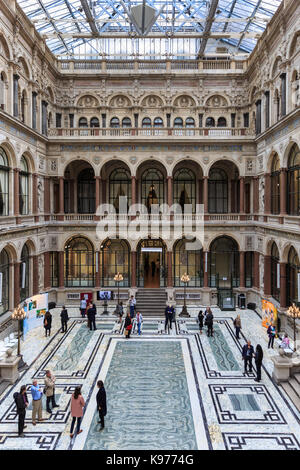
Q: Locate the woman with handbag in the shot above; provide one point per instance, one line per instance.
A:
(128, 326)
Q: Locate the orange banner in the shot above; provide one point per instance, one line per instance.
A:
(269, 313)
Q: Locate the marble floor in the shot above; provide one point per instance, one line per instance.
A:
(177, 390)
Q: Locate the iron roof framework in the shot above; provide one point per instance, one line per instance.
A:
(184, 28)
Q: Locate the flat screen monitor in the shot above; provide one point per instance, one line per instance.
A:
(105, 294)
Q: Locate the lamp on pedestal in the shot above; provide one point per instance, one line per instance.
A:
(185, 279)
(18, 315)
(118, 278)
(294, 312)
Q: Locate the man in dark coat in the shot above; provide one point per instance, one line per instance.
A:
(64, 319)
(101, 402)
(169, 317)
(247, 354)
(21, 401)
(91, 314)
(209, 321)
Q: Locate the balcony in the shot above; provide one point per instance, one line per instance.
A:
(149, 133)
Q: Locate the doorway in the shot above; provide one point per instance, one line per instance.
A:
(150, 264)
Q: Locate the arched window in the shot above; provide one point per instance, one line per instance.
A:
(2, 91)
(79, 263)
(221, 122)
(114, 123)
(146, 122)
(190, 122)
(119, 185)
(4, 270)
(178, 122)
(217, 191)
(86, 191)
(4, 181)
(126, 122)
(115, 258)
(224, 263)
(293, 271)
(294, 181)
(24, 273)
(187, 261)
(23, 106)
(158, 122)
(24, 187)
(210, 122)
(184, 188)
(83, 122)
(275, 185)
(152, 188)
(94, 122)
(275, 273)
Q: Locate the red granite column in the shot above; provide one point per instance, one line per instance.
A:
(46, 197)
(267, 275)
(16, 194)
(133, 269)
(205, 194)
(170, 277)
(205, 268)
(267, 193)
(283, 188)
(35, 275)
(61, 280)
(16, 284)
(103, 181)
(242, 195)
(97, 197)
(283, 296)
(61, 198)
(47, 269)
(242, 269)
(256, 281)
(97, 272)
(169, 191)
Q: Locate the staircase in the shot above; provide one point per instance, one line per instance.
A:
(292, 388)
(151, 302)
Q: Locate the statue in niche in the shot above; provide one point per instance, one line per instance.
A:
(261, 271)
(261, 194)
(40, 195)
(41, 272)
(152, 198)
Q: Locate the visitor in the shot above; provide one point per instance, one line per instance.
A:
(285, 343)
(139, 321)
(209, 321)
(128, 325)
(132, 304)
(47, 323)
(21, 401)
(91, 313)
(77, 405)
(50, 391)
(120, 311)
(101, 402)
(168, 316)
(247, 355)
(238, 326)
(64, 319)
(37, 407)
(83, 307)
(271, 332)
(258, 362)
(200, 321)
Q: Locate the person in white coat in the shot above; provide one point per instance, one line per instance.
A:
(139, 321)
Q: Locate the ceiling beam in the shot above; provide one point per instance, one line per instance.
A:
(229, 16)
(156, 35)
(207, 27)
(58, 34)
(249, 22)
(89, 16)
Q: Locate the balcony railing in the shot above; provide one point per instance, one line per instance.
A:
(148, 132)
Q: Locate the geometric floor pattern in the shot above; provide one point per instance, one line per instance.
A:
(164, 391)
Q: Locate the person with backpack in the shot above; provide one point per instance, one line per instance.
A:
(77, 405)
(22, 403)
(64, 319)
(47, 323)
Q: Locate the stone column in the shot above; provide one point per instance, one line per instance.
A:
(97, 273)
(255, 188)
(47, 270)
(103, 181)
(283, 269)
(46, 197)
(16, 192)
(133, 269)
(34, 195)
(16, 284)
(35, 276)
(242, 269)
(205, 271)
(256, 281)
(242, 195)
(169, 191)
(97, 191)
(133, 190)
(267, 193)
(267, 275)
(170, 277)
(283, 188)
(61, 197)
(205, 194)
(61, 280)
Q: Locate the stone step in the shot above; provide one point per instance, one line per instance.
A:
(290, 392)
(297, 377)
(295, 385)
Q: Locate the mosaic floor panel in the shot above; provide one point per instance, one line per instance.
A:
(177, 390)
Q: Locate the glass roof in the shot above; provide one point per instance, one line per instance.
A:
(185, 29)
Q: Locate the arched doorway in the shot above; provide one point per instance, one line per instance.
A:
(152, 188)
(115, 259)
(293, 272)
(151, 268)
(187, 261)
(275, 273)
(224, 263)
(184, 188)
(79, 263)
(79, 188)
(4, 271)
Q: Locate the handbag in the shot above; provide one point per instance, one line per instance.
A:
(129, 327)
(126, 332)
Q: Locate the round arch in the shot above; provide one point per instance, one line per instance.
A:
(79, 262)
(224, 262)
(115, 257)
